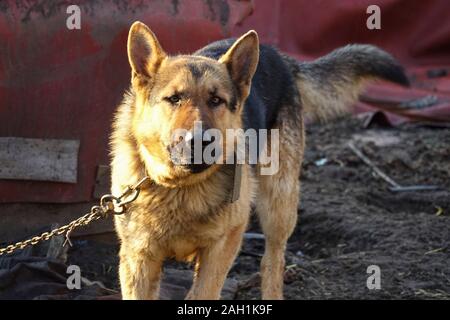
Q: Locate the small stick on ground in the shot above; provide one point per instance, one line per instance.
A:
(253, 236)
(395, 187)
(377, 170)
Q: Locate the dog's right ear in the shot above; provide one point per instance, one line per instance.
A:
(241, 61)
(144, 51)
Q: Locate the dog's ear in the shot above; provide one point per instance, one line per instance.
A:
(241, 61)
(144, 51)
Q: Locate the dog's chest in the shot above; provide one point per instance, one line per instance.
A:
(179, 222)
(180, 217)
(186, 211)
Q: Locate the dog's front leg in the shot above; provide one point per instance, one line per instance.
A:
(213, 264)
(139, 275)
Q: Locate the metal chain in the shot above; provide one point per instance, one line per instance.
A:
(109, 204)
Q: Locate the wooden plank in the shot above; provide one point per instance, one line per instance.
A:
(39, 159)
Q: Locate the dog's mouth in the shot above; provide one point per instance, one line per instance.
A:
(196, 168)
(184, 156)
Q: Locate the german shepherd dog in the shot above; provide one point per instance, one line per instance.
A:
(185, 211)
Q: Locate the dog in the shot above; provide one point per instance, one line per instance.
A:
(185, 211)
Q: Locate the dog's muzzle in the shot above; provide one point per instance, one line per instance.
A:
(188, 151)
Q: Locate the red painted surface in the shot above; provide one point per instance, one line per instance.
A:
(65, 84)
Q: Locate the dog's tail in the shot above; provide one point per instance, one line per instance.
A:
(331, 84)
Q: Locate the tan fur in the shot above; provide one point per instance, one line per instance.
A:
(324, 105)
(189, 216)
(330, 85)
(277, 202)
(178, 215)
(162, 224)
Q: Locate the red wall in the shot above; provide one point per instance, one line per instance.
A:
(65, 84)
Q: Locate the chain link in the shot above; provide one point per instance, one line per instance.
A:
(109, 204)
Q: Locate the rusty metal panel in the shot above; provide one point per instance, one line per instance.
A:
(39, 159)
(102, 181)
(66, 84)
(57, 83)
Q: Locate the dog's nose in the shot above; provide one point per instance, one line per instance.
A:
(198, 138)
(195, 135)
(188, 150)
(198, 141)
(193, 138)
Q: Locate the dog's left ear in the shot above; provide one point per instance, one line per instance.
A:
(144, 51)
(241, 61)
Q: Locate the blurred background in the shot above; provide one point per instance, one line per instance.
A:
(59, 89)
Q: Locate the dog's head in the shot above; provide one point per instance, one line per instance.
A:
(176, 94)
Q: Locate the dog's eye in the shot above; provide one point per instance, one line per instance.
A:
(174, 99)
(215, 101)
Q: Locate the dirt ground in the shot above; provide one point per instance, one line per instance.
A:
(349, 220)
